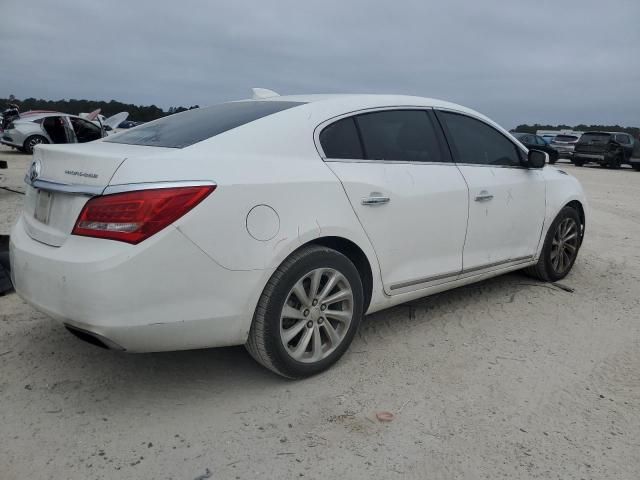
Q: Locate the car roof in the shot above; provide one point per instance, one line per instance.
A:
(336, 104)
(365, 100)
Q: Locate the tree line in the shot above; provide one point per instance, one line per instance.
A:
(139, 113)
(633, 131)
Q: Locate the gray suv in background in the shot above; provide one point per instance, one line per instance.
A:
(564, 144)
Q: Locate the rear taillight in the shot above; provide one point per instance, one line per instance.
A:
(135, 216)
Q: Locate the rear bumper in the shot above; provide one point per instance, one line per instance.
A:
(589, 157)
(163, 294)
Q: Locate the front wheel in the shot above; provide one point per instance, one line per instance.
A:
(578, 163)
(308, 313)
(560, 247)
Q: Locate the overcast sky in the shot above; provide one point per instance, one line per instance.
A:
(516, 61)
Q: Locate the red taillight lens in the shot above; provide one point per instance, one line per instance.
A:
(134, 216)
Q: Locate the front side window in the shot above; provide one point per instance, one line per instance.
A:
(85, 131)
(539, 141)
(475, 142)
(183, 129)
(404, 135)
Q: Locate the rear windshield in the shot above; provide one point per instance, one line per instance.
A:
(595, 137)
(565, 138)
(183, 129)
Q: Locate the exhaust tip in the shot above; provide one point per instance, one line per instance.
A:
(93, 338)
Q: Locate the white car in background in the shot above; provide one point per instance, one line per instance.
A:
(37, 128)
(279, 222)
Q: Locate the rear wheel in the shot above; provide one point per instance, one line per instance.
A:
(308, 313)
(560, 248)
(578, 163)
(553, 158)
(615, 162)
(636, 167)
(32, 141)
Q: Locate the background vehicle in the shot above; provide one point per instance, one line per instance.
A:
(635, 156)
(609, 149)
(531, 140)
(288, 219)
(565, 144)
(30, 130)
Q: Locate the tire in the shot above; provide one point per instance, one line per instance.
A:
(578, 163)
(548, 268)
(32, 141)
(636, 167)
(615, 163)
(306, 320)
(553, 159)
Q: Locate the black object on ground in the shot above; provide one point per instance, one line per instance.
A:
(5, 279)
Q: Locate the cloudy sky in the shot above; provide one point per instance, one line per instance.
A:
(562, 61)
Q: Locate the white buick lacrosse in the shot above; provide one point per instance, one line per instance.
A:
(278, 222)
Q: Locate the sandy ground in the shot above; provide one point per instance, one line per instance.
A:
(509, 378)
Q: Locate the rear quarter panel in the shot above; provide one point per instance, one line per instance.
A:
(271, 161)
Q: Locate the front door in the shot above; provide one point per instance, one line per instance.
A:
(410, 198)
(506, 200)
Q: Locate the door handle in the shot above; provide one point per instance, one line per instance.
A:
(484, 196)
(375, 199)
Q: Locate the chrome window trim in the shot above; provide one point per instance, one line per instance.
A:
(321, 126)
(406, 162)
(464, 273)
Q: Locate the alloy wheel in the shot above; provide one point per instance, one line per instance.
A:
(35, 141)
(316, 315)
(564, 246)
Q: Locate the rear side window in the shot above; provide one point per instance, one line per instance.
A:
(183, 129)
(475, 142)
(340, 140)
(566, 138)
(620, 138)
(405, 135)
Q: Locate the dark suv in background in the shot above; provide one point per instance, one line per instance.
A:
(609, 149)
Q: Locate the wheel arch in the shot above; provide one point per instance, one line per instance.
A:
(356, 255)
(577, 205)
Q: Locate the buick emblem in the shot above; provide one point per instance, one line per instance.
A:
(34, 170)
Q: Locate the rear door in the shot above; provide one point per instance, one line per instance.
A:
(410, 198)
(506, 200)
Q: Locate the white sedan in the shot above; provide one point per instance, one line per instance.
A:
(279, 222)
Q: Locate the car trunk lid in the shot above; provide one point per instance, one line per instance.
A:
(60, 180)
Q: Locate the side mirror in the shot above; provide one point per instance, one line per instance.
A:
(537, 159)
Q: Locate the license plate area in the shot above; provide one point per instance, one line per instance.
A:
(42, 211)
